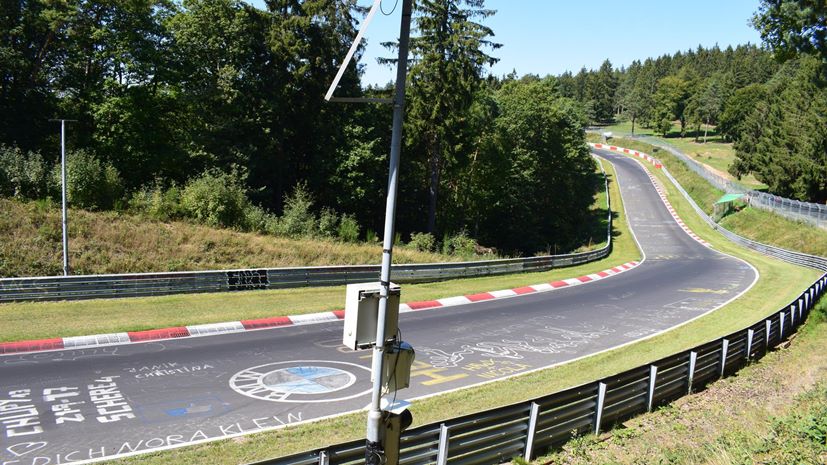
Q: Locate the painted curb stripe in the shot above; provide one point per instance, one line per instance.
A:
(479, 297)
(280, 321)
(31, 346)
(267, 322)
(424, 304)
(156, 334)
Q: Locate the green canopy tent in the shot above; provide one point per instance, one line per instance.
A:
(725, 204)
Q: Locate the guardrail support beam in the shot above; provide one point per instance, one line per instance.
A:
(693, 360)
(724, 350)
(601, 399)
(442, 452)
(532, 430)
(653, 378)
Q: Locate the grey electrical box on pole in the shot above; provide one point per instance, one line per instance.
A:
(362, 312)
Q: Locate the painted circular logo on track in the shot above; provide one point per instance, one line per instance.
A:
(301, 381)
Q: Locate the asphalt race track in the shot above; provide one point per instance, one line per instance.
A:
(76, 405)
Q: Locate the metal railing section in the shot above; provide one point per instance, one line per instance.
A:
(154, 284)
(531, 428)
(813, 213)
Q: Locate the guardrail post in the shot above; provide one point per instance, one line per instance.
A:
(601, 398)
(807, 301)
(800, 310)
(532, 429)
(693, 359)
(750, 335)
(767, 337)
(324, 459)
(724, 350)
(442, 454)
(792, 317)
(653, 378)
(781, 316)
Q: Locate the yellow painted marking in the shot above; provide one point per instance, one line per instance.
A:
(699, 290)
(425, 369)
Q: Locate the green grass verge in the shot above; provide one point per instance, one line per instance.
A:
(37, 320)
(773, 412)
(715, 153)
(780, 283)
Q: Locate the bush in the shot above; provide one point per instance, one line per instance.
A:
(159, 203)
(460, 244)
(423, 242)
(298, 219)
(90, 182)
(216, 198)
(328, 222)
(23, 175)
(257, 219)
(348, 229)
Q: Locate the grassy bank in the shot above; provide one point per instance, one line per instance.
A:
(780, 283)
(773, 412)
(32, 320)
(112, 242)
(716, 153)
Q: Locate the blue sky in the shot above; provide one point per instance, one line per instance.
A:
(552, 36)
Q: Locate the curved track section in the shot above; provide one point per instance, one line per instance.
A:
(81, 405)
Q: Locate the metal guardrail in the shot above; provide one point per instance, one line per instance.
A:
(528, 429)
(154, 284)
(790, 256)
(813, 213)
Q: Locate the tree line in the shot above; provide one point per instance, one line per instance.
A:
(771, 102)
(212, 111)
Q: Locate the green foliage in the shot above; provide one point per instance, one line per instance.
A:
(423, 242)
(538, 172)
(784, 140)
(460, 244)
(90, 183)
(448, 62)
(22, 175)
(159, 203)
(348, 229)
(791, 27)
(328, 222)
(216, 198)
(298, 219)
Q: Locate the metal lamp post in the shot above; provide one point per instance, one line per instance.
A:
(63, 193)
(374, 454)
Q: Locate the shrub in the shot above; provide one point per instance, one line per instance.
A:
(23, 175)
(328, 222)
(423, 242)
(90, 182)
(159, 203)
(216, 198)
(348, 229)
(259, 220)
(298, 219)
(460, 244)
